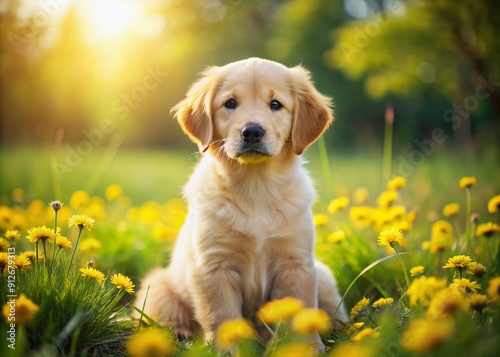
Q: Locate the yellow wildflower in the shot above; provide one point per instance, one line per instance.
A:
(494, 204)
(364, 333)
(451, 209)
(81, 221)
(477, 302)
(360, 305)
(295, 350)
(279, 309)
(150, 342)
(231, 332)
(310, 320)
(4, 245)
(423, 288)
(320, 220)
(123, 282)
(31, 255)
(89, 245)
(338, 204)
(361, 214)
(465, 286)
(12, 234)
(79, 199)
(487, 229)
(360, 195)
(424, 335)
(4, 261)
(441, 229)
(336, 237)
(113, 192)
(354, 328)
(388, 237)
(417, 270)
(63, 242)
(22, 262)
(477, 269)
(22, 312)
(387, 198)
(467, 182)
(382, 302)
(494, 289)
(92, 273)
(41, 234)
(459, 262)
(396, 183)
(446, 302)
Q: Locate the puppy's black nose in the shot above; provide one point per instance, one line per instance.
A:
(252, 133)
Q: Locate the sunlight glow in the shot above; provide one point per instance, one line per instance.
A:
(106, 19)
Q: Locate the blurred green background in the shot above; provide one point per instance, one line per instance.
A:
(83, 82)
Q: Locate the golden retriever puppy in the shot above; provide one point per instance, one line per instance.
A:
(249, 234)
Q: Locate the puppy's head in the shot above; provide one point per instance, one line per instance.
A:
(253, 110)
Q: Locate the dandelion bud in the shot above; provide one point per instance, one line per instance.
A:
(56, 205)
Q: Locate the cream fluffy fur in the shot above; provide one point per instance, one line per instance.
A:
(249, 233)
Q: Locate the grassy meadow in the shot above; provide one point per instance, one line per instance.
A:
(419, 276)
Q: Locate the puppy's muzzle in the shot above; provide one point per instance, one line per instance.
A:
(252, 149)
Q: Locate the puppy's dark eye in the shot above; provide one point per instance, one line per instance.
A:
(275, 105)
(231, 104)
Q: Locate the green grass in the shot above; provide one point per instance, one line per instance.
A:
(151, 179)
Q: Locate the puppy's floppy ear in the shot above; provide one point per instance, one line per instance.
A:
(194, 113)
(312, 112)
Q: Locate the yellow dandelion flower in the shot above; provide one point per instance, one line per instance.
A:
(337, 204)
(279, 309)
(388, 237)
(441, 229)
(4, 262)
(295, 350)
(233, 331)
(487, 229)
(310, 320)
(465, 286)
(387, 198)
(360, 195)
(364, 333)
(352, 349)
(89, 245)
(4, 245)
(320, 220)
(494, 204)
(123, 282)
(423, 288)
(477, 269)
(467, 182)
(336, 237)
(417, 270)
(92, 273)
(150, 342)
(41, 234)
(31, 255)
(22, 262)
(424, 335)
(383, 302)
(354, 328)
(494, 289)
(360, 305)
(81, 221)
(63, 242)
(446, 302)
(22, 311)
(459, 262)
(451, 209)
(396, 183)
(113, 192)
(361, 214)
(477, 302)
(79, 199)
(12, 234)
